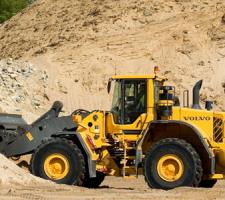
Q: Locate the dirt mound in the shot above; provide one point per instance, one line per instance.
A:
(81, 43)
(11, 174)
(47, 24)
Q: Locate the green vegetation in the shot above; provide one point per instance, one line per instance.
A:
(8, 8)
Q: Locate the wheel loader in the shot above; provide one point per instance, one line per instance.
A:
(147, 132)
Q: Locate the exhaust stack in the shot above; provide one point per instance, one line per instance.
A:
(196, 95)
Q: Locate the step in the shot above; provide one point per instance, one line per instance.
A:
(132, 157)
(130, 148)
(129, 167)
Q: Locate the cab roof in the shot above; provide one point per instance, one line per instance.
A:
(149, 76)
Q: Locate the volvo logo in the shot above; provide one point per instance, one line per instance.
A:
(197, 118)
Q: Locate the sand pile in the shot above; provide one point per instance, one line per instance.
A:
(49, 24)
(11, 174)
(81, 43)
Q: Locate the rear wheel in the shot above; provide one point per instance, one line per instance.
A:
(59, 160)
(172, 163)
(94, 182)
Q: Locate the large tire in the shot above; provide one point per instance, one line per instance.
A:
(172, 163)
(94, 182)
(207, 183)
(59, 160)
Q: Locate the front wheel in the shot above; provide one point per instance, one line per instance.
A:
(172, 163)
(59, 160)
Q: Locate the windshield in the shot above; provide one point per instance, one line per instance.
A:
(129, 100)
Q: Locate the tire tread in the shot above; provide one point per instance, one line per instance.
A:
(189, 148)
(73, 146)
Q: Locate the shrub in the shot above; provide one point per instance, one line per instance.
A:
(8, 8)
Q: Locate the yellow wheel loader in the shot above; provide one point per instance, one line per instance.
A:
(146, 132)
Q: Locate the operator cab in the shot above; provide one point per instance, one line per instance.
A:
(133, 96)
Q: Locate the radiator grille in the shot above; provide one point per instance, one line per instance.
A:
(218, 127)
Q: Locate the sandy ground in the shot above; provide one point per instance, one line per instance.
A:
(17, 183)
(111, 188)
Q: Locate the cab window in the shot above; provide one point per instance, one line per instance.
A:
(135, 100)
(129, 100)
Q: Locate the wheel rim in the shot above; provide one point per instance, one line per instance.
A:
(170, 167)
(56, 166)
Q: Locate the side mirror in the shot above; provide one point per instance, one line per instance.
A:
(109, 85)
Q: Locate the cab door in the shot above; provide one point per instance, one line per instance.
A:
(129, 108)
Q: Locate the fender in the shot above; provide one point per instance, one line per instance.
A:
(147, 131)
(91, 163)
